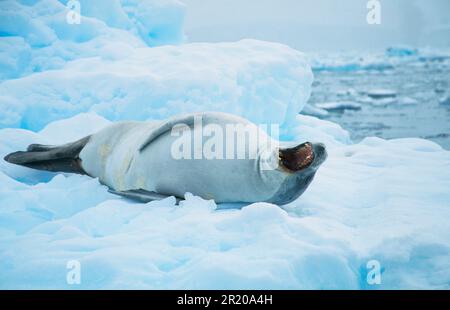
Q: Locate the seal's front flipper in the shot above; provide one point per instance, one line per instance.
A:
(63, 158)
(142, 195)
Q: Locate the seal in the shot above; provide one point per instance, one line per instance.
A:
(155, 159)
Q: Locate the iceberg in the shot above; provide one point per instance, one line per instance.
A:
(381, 93)
(445, 101)
(339, 105)
(266, 83)
(434, 55)
(401, 51)
(380, 102)
(35, 35)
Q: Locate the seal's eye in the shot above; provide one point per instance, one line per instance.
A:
(297, 158)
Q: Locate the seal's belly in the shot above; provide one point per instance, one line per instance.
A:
(224, 180)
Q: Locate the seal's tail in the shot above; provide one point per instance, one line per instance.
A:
(63, 158)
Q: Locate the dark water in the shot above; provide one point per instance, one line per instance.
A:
(415, 111)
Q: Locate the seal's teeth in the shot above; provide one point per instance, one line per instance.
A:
(305, 154)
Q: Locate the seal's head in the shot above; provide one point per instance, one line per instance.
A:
(299, 165)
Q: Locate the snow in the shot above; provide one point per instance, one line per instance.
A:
(386, 200)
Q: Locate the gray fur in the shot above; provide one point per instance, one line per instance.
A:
(134, 160)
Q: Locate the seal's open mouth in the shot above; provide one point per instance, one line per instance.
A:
(297, 158)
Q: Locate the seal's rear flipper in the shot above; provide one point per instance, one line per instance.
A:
(142, 195)
(62, 158)
(40, 148)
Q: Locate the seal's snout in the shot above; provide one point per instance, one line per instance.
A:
(303, 156)
(320, 153)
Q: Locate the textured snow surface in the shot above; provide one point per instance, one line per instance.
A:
(377, 200)
(383, 200)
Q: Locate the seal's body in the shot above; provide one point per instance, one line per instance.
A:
(142, 160)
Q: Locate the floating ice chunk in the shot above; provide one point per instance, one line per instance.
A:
(339, 105)
(432, 55)
(439, 90)
(445, 101)
(381, 93)
(401, 51)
